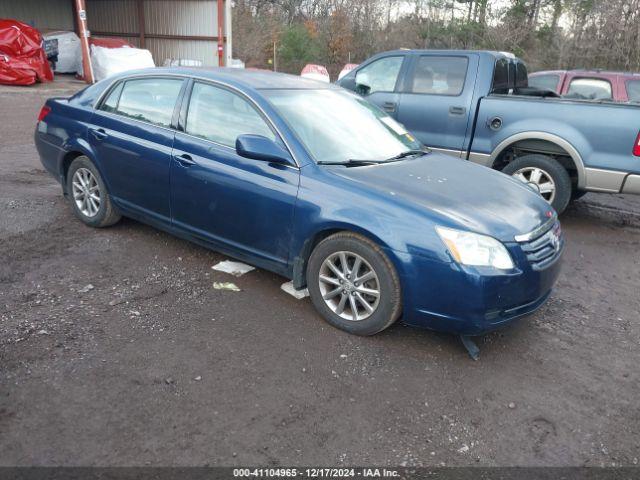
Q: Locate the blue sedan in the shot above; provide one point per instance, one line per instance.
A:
(311, 182)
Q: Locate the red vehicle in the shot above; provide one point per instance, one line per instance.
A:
(589, 84)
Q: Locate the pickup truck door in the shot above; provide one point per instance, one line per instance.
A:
(379, 81)
(435, 102)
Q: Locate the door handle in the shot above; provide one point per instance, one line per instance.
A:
(184, 160)
(389, 106)
(99, 133)
(454, 110)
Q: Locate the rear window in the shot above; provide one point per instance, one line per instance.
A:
(501, 77)
(150, 100)
(440, 75)
(521, 75)
(545, 82)
(590, 89)
(633, 90)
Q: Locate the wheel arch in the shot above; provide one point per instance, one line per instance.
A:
(539, 142)
(73, 150)
(301, 261)
(65, 163)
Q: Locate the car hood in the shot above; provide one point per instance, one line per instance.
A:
(470, 196)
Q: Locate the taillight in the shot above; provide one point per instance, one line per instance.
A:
(636, 146)
(44, 111)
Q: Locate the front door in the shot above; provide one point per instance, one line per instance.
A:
(378, 82)
(217, 195)
(436, 103)
(130, 131)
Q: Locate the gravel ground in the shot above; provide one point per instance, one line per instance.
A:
(116, 350)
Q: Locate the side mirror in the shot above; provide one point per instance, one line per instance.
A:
(258, 147)
(363, 84)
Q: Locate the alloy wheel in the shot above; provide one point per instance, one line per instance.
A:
(349, 286)
(86, 192)
(539, 181)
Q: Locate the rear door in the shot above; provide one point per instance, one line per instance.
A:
(221, 197)
(436, 100)
(131, 133)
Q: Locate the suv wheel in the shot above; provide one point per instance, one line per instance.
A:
(353, 284)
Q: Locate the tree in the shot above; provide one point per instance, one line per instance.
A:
(298, 46)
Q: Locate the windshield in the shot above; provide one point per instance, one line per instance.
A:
(337, 126)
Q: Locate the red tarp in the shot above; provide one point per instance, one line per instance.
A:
(22, 58)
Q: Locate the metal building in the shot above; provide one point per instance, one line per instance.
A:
(170, 29)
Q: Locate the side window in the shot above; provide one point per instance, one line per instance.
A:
(379, 76)
(544, 82)
(440, 75)
(633, 90)
(219, 115)
(590, 88)
(150, 100)
(522, 80)
(111, 102)
(501, 77)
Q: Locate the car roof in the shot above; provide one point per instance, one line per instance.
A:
(239, 77)
(594, 72)
(492, 53)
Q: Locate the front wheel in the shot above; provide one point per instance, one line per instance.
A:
(545, 176)
(353, 284)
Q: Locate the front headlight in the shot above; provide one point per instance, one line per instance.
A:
(470, 248)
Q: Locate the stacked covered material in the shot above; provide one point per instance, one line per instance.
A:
(22, 58)
(315, 72)
(109, 61)
(69, 51)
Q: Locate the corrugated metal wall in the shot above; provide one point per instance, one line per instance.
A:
(44, 15)
(118, 16)
(162, 18)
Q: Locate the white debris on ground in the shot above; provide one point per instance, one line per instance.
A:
(86, 288)
(226, 286)
(236, 269)
(298, 294)
(463, 449)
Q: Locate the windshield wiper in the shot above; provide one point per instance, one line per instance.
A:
(354, 162)
(408, 153)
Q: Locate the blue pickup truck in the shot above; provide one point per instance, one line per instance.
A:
(477, 105)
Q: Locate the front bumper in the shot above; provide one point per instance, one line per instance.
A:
(449, 297)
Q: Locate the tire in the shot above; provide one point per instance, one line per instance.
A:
(385, 308)
(98, 212)
(524, 167)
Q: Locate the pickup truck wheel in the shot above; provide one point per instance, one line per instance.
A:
(88, 194)
(545, 176)
(353, 284)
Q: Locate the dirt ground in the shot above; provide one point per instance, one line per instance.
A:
(116, 350)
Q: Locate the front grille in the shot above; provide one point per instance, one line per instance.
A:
(543, 250)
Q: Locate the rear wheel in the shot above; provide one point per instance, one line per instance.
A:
(545, 176)
(353, 284)
(88, 194)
